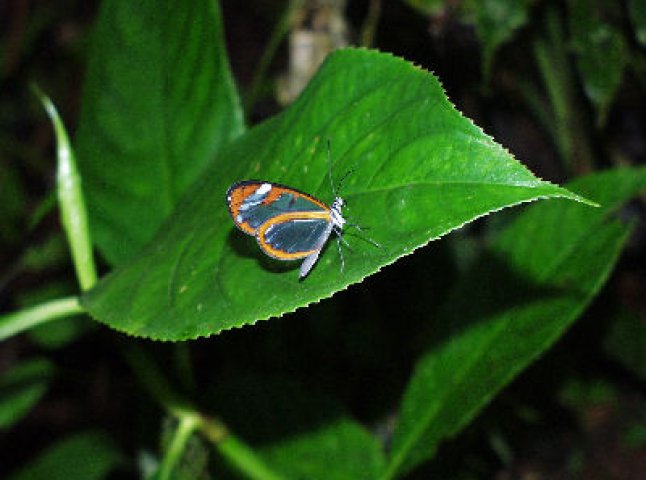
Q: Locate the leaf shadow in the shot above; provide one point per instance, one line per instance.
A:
(246, 246)
(266, 410)
(489, 289)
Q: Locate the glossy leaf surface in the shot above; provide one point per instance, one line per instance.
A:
(420, 170)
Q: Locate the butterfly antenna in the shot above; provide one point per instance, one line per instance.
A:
(343, 178)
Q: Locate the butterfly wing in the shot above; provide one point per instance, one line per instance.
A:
(294, 235)
(252, 203)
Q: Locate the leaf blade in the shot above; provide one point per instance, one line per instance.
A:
(521, 298)
(159, 103)
(422, 170)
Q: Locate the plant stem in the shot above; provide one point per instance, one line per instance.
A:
(280, 31)
(245, 459)
(187, 425)
(369, 26)
(570, 133)
(233, 450)
(17, 322)
(183, 365)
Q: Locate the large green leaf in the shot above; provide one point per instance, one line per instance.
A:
(422, 170)
(538, 277)
(159, 103)
(89, 455)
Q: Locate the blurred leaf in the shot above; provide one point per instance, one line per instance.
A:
(22, 387)
(536, 280)
(13, 200)
(580, 393)
(635, 435)
(422, 170)
(62, 332)
(626, 342)
(159, 103)
(428, 7)
(637, 11)
(495, 22)
(601, 49)
(298, 432)
(50, 253)
(84, 456)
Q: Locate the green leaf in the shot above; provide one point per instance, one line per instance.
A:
(496, 21)
(601, 49)
(626, 342)
(71, 200)
(13, 202)
(637, 12)
(159, 103)
(421, 170)
(428, 7)
(89, 455)
(21, 388)
(536, 280)
(299, 433)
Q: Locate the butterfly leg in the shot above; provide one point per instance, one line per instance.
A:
(363, 231)
(339, 239)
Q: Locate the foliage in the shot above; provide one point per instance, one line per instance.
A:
(431, 333)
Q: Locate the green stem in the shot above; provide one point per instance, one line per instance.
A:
(17, 322)
(233, 450)
(535, 101)
(187, 425)
(280, 31)
(370, 24)
(570, 133)
(184, 367)
(245, 459)
(72, 203)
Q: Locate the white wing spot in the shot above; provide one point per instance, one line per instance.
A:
(264, 189)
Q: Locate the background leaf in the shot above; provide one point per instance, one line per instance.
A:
(422, 170)
(22, 387)
(638, 17)
(626, 341)
(159, 103)
(84, 456)
(298, 432)
(537, 278)
(602, 51)
(496, 21)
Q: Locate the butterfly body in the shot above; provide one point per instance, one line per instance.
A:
(287, 223)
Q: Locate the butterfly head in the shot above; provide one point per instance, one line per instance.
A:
(335, 212)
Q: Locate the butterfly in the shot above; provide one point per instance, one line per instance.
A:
(288, 224)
